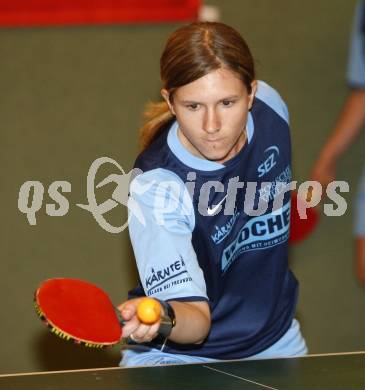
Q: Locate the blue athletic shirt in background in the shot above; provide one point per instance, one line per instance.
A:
(356, 80)
(356, 61)
(188, 249)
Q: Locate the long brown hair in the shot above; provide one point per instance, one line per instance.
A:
(191, 52)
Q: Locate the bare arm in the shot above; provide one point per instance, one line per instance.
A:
(346, 130)
(192, 322)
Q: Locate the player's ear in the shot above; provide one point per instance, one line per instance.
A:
(252, 94)
(165, 94)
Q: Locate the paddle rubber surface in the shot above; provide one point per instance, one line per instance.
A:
(301, 228)
(78, 309)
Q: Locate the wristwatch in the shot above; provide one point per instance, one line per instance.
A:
(168, 319)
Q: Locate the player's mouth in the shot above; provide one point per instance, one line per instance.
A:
(212, 141)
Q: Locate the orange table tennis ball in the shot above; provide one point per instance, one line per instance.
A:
(148, 311)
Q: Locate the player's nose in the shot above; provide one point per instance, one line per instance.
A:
(211, 121)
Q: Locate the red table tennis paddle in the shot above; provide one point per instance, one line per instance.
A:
(82, 312)
(300, 227)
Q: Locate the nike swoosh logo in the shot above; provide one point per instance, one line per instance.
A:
(213, 210)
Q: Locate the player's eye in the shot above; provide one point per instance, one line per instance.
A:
(228, 103)
(193, 106)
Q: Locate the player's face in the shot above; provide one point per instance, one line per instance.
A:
(212, 114)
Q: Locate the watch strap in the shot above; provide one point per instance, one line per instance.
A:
(168, 319)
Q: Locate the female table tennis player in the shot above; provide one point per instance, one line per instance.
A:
(212, 248)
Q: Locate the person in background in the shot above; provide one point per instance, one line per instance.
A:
(347, 129)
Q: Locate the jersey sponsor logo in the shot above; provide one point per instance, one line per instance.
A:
(260, 232)
(281, 184)
(223, 231)
(162, 279)
(271, 154)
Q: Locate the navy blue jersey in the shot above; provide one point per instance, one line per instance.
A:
(219, 232)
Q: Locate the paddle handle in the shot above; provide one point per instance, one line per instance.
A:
(119, 316)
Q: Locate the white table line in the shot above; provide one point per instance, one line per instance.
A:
(238, 377)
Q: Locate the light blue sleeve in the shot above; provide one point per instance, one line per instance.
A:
(271, 97)
(161, 221)
(356, 62)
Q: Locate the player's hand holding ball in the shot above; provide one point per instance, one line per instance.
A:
(142, 316)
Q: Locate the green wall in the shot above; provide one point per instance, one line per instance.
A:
(71, 95)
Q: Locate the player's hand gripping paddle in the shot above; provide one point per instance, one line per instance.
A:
(80, 311)
(301, 227)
